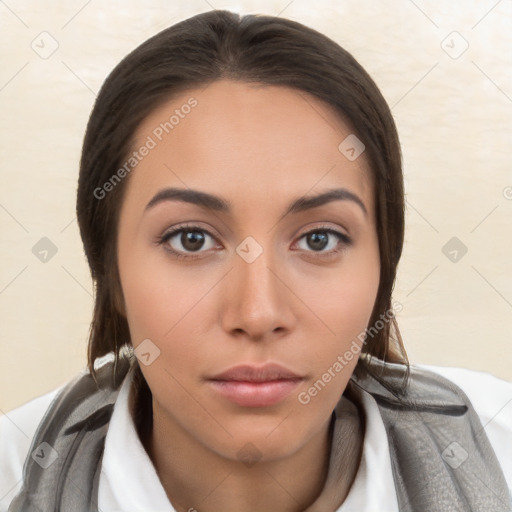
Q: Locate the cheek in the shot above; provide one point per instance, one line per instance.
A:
(344, 304)
(344, 298)
(158, 301)
(173, 307)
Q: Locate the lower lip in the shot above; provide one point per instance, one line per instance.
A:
(255, 394)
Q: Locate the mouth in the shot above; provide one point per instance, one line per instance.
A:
(253, 386)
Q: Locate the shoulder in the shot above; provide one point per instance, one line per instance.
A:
(491, 398)
(68, 405)
(17, 429)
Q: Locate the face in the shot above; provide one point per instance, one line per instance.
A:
(243, 303)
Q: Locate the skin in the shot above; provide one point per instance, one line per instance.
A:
(258, 147)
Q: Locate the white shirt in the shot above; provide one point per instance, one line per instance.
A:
(129, 482)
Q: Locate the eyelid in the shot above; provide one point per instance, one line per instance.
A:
(325, 227)
(186, 227)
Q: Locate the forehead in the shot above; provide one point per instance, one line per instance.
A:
(248, 141)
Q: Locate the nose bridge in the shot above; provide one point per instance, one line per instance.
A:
(255, 298)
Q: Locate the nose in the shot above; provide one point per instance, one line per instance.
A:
(256, 303)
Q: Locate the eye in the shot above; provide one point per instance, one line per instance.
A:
(321, 238)
(190, 241)
(183, 241)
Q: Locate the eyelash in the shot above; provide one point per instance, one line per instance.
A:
(344, 240)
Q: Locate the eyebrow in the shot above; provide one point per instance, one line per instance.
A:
(216, 203)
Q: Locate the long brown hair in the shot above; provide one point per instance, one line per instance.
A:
(251, 48)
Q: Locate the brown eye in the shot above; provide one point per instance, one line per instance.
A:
(192, 240)
(185, 241)
(318, 239)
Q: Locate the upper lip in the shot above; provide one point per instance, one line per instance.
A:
(250, 373)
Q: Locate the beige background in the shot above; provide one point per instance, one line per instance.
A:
(454, 115)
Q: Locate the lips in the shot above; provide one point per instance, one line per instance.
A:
(248, 373)
(255, 386)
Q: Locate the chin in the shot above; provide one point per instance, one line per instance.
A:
(266, 441)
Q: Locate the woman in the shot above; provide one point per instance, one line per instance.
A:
(241, 205)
